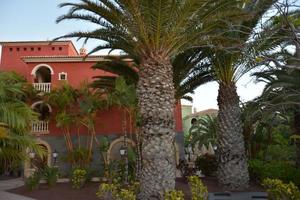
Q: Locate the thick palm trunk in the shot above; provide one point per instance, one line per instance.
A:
(156, 103)
(232, 160)
(297, 132)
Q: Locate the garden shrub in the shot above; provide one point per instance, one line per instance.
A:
(277, 190)
(207, 164)
(174, 195)
(32, 182)
(50, 174)
(114, 191)
(260, 170)
(79, 177)
(280, 153)
(198, 189)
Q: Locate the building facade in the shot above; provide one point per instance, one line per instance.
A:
(47, 66)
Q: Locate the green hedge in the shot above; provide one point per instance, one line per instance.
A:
(260, 170)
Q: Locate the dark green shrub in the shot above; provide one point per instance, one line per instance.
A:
(50, 174)
(260, 170)
(207, 164)
(33, 182)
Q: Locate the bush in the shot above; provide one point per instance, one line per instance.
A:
(79, 177)
(207, 164)
(260, 170)
(51, 175)
(174, 195)
(114, 191)
(277, 190)
(32, 182)
(198, 189)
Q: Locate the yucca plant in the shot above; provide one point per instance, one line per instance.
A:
(152, 33)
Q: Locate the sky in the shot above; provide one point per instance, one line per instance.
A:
(22, 20)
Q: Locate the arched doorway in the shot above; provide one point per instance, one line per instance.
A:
(42, 77)
(40, 162)
(36, 162)
(114, 148)
(44, 110)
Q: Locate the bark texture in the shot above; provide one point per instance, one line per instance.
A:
(297, 132)
(232, 160)
(156, 103)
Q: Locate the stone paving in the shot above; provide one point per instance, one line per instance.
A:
(238, 196)
(10, 184)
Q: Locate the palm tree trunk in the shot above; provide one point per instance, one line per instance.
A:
(156, 103)
(232, 160)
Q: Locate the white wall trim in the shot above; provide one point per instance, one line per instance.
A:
(40, 102)
(62, 73)
(34, 70)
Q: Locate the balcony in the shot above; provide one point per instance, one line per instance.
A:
(43, 87)
(40, 127)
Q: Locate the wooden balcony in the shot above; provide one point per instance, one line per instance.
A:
(40, 127)
(43, 87)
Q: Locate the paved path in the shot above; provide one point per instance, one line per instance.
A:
(10, 184)
(238, 196)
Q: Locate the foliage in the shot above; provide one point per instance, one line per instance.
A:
(260, 170)
(207, 164)
(204, 131)
(198, 189)
(174, 195)
(185, 169)
(79, 177)
(78, 157)
(50, 174)
(15, 119)
(115, 191)
(33, 181)
(280, 152)
(277, 190)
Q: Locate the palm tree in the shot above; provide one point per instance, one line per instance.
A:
(15, 119)
(64, 100)
(231, 57)
(282, 94)
(152, 32)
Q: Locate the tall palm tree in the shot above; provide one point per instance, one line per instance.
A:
(15, 119)
(231, 57)
(152, 32)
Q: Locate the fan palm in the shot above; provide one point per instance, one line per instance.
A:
(15, 119)
(152, 32)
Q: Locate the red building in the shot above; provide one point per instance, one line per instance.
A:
(46, 66)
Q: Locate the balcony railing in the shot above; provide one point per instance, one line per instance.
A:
(40, 127)
(43, 87)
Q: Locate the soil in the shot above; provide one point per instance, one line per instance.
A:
(64, 191)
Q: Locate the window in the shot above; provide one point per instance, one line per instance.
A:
(62, 76)
(60, 48)
(18, 49)
(25, 49)
(32, 48)
(53, 48)
(10, 49)
(39, 48)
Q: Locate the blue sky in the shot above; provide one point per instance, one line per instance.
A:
(22, 20)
